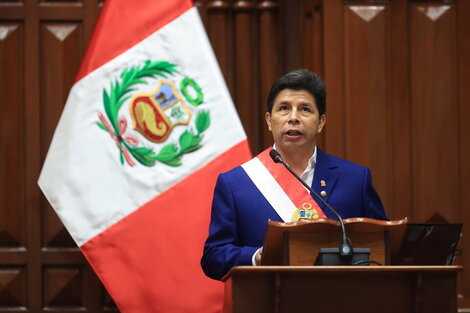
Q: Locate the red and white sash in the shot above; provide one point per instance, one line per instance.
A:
(281, 189)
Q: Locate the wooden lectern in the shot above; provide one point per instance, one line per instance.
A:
(287, 281)
(298, 243)
(331, 289)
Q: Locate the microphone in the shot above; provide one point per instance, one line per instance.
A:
(345, 249)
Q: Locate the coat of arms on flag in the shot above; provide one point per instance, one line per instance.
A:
(154, 114)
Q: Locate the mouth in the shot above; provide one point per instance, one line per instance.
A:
(293, 133)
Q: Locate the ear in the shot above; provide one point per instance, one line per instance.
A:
(267, 117)
(322, 123)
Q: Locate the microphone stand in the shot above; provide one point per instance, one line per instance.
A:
(345, 249)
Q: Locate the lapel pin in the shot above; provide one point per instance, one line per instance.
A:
(322, 183)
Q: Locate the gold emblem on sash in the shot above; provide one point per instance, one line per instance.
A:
(305, 211)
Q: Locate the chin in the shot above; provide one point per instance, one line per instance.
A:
(293, 145)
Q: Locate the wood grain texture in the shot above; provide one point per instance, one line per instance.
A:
(463, 42)
(301, 288)
(400, 183)
(246, 71)
(60, 46)
(268, 60)
(367, 66)
(434, 114)
(221, 36)
(12, 132)
(334, 78)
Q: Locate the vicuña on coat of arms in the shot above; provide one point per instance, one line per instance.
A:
(154, 115)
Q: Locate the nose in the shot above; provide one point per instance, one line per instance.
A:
(294, 116)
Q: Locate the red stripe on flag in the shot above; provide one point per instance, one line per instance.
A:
(123, 24)
(149, 261)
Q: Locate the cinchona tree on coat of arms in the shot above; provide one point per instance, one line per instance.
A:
(154, 115)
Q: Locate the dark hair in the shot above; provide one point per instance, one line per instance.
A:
(300, 80)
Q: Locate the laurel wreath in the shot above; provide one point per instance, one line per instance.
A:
(184, 89)
(171, 153)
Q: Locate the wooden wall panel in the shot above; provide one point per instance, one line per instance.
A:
(245, 71)
(59, 61)
(41, 269)
(333, 67)
(62, 287)
(358, 77)
(463, 25)
(217, 15)
(434, 115)
(13, 288)
(367, 92)
(400, 183)
(12, 148)
(60, 46)
(13, 229)
(245, 39)
(312, 48)
(268, 60)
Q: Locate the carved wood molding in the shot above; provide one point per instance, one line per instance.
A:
(218, 5)
(366, 1)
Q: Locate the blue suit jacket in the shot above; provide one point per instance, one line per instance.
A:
(240, 212)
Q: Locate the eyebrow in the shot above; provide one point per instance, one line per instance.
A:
(288, 102)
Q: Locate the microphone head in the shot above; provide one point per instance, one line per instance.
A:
(275, 156)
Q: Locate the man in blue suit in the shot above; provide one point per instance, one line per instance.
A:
(246, 197)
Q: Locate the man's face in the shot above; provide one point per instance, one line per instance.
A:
(294, 120)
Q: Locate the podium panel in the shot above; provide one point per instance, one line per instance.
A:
(298, 243)
(365, 289)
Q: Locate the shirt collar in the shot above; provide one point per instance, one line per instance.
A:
(311, 162)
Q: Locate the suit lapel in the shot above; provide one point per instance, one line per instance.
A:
(325, 177)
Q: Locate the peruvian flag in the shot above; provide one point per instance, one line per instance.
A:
(146, 129)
